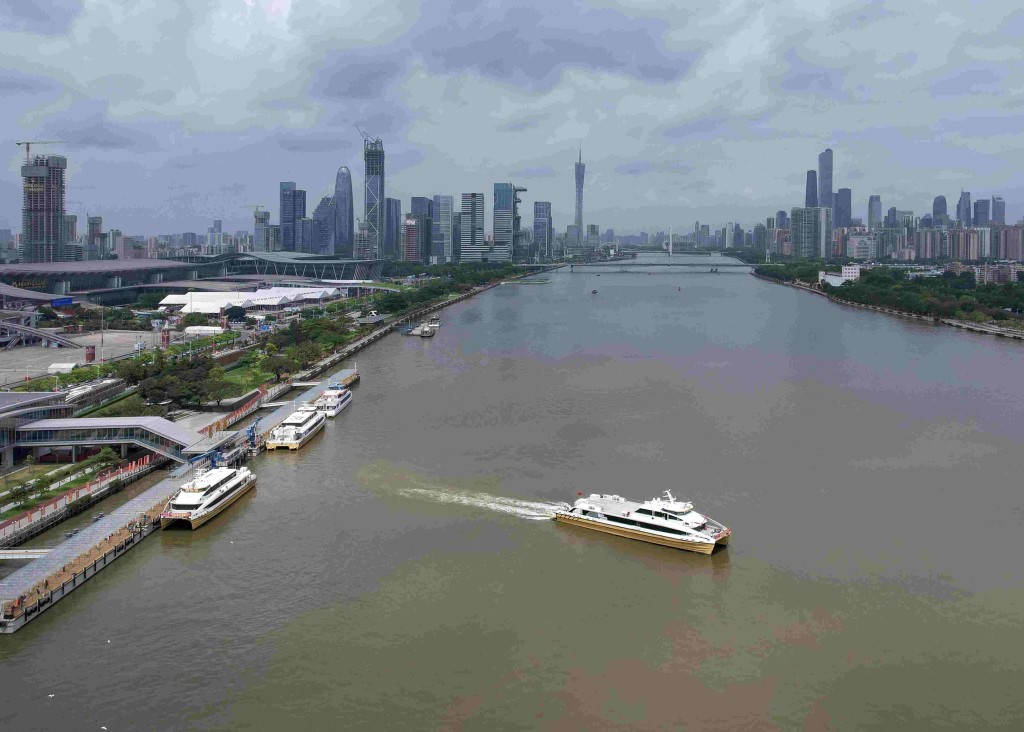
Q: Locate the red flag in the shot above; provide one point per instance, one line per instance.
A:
(578, 493)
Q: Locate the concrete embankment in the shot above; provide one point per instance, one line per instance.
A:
(965, 325)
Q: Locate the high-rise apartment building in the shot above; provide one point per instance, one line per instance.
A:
(843, 207)
(543, 230)
(981, 212)
(812, 232)
(393, 229)
(874, 212)
(443, 241)
(963, 209)
(342, 226)
(811, 190)
(70, 227)
(825, 179)
(474, 248)
(94, 238)
(43, 237)
(373, 190)
(998, 211)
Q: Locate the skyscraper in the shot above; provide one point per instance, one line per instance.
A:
(293, 208)
(981, 212)
(422, 206)
(781, 220)
(825, 179)
(581, 169)
(811, 190)
(998, 211)
(423, 213)
(343, 225)
(323, 220)
(938, 207)
(843, 207)
(260, 222)
(963, 209)
(43, 237)
(393, 229)
(874, 211)
(373, 159)
(472, 222)
(812, 232)
(94, 238)
(543, 231)
(504, 206)
(416, 236)
(456, 236)
(443, 234)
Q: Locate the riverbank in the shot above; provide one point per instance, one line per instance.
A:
(952, 322)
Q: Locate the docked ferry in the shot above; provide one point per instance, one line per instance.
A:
(334, 399)
(297, 429)
(664, 521)
(208, 494)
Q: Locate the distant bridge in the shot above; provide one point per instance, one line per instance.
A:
(703, 265)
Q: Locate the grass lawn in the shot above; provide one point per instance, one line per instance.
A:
(246, 378)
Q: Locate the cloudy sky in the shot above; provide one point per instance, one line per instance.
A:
(175, 112)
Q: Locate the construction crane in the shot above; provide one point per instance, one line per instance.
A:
(29, 143)
(366, 137)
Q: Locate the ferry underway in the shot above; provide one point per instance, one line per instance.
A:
(334, 399)
(297, 428)
(208, 494)
(664, 521)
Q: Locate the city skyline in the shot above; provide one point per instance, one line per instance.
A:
(169, 149)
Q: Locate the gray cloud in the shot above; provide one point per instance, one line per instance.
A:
(49, 17)
(710, 113)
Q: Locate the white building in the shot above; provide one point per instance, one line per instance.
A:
(850, 273)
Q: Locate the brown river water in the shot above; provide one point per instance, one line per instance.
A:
(399, 573)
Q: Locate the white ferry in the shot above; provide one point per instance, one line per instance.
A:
(664, 521)
(208, 494)
(334, 399)
(297, 429)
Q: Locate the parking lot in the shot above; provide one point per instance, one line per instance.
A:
(18, 363)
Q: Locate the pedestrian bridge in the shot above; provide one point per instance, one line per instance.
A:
(151, 433)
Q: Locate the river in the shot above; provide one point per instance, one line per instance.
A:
(397, 572)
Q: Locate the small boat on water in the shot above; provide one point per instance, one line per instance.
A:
(407, 330)
(333, 400)
(593, 292)
(428, 330)
(297, 429)
(208, 494)
(663, 521)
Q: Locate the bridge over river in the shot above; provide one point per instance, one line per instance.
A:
(707, 264)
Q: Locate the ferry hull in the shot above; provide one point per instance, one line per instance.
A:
(194, 524)
(630, 533)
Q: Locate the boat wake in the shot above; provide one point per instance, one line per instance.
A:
(530, 510)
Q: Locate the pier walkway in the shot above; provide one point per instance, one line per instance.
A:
(50, 577)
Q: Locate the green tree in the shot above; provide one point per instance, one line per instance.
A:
(277, 365)
(235, 314)
(192, 319)
(307, 353)
(217, 386)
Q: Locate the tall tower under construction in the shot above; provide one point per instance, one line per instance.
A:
(581, 169)
(43, 235)
(373, 159)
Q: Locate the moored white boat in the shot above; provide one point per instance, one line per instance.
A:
(664, 521)
(297, 428)
(333, 400)
(209, 493)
